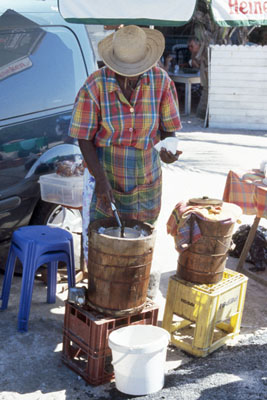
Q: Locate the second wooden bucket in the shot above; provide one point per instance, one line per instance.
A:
(119, 268)
(204, 261)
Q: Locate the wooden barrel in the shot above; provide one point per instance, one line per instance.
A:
(119, 268)
(204, 261)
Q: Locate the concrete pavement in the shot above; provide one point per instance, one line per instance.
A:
(30, 363)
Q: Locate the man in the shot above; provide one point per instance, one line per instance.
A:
(121, 112)
(194, 47)
(198, 60)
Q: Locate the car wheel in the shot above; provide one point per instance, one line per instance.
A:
(57, 216)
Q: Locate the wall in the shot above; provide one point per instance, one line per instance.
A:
(238, 87)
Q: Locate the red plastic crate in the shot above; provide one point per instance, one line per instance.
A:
(94, 369)
(85, 339)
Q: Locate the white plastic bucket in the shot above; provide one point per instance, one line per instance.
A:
(139, 355)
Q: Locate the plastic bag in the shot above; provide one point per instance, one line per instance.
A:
(257, 254)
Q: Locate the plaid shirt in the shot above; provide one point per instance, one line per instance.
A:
(103, 114)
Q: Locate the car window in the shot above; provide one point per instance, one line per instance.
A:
(97, 33)
(40, 69)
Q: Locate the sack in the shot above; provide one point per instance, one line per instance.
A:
(257, 254)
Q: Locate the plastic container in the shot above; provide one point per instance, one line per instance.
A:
(139, 355)
(66, 191)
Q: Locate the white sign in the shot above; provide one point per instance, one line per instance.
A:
(139, 12)
(240, 12)
(14, 67)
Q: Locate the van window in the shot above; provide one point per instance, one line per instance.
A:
(40, 69)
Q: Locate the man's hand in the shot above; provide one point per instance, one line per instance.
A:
(168, 157)
(103, 190)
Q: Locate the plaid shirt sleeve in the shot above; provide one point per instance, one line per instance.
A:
(169, 109)
(85, 115)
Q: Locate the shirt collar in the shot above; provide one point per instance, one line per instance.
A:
(112, 84)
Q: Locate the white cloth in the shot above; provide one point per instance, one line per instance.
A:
(88, 190)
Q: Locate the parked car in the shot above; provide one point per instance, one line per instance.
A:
(43, 63)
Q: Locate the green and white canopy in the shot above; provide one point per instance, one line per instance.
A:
(137, 12)
(239, 12)
(161, 12)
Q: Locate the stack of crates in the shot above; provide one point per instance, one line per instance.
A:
(85, 339)
(201, 318)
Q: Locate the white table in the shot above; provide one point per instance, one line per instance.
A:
(187, 79)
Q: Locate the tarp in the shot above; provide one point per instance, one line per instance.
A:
(230, 13)
(138, 12)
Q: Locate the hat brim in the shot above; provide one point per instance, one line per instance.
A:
(155, 47)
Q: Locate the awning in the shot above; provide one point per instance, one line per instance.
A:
(229, 13)
(137, 12)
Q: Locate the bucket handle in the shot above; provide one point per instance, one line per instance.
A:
(216, 255)
(130, 351)
(224, 245)
(114, 363)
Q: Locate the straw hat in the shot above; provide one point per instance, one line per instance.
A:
(131, 50)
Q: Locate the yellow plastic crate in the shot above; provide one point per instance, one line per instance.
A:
(208, 315)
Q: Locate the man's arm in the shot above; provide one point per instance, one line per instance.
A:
(102, 185)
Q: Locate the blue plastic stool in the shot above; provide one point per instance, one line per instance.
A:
(34, 246)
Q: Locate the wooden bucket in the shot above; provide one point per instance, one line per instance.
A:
(119, 268)
(204, 261)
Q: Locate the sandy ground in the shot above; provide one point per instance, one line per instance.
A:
(30, 363)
